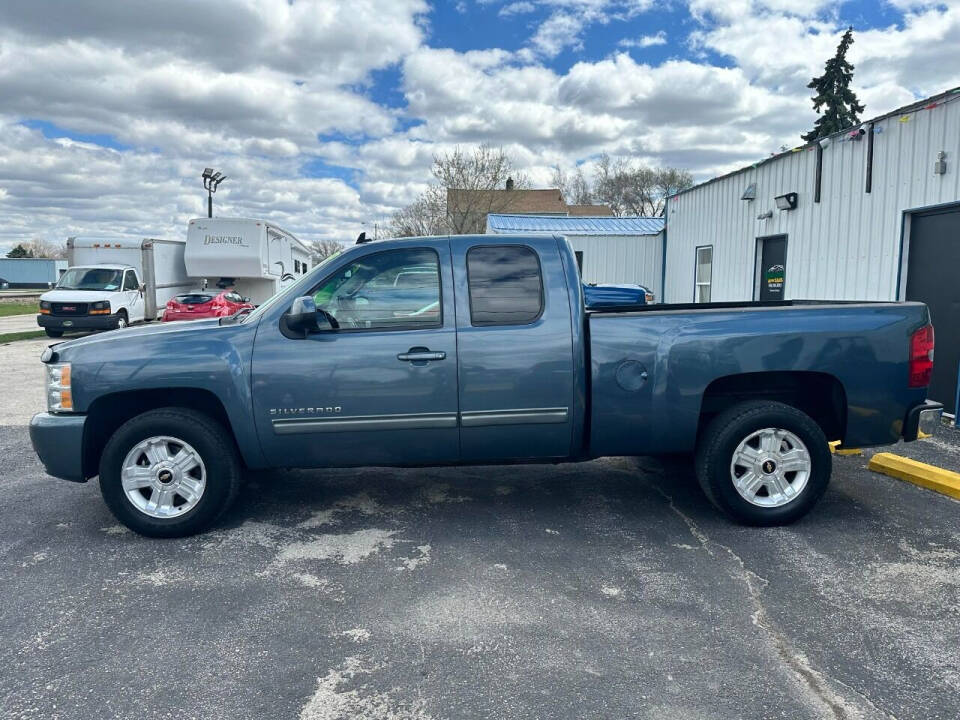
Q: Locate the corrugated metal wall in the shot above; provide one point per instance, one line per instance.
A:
(847, 246)
(620, 259)
(37, 272)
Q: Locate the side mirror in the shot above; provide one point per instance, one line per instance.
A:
(304, 317)
(246, 299)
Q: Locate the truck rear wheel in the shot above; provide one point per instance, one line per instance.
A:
(763, 463)
(170, 472)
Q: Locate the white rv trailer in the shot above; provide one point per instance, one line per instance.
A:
(255, 257)
(159, 265)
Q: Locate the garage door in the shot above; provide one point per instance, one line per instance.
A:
(932, 274)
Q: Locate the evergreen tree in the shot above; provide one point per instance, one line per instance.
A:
(840, 105)
(20, 252)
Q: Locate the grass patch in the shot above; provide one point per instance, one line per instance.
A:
(18, 308)
(26, 335)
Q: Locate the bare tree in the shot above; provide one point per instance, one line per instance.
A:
(576, 190)
(468, 184)
(427, 215)
(40, 248)
(636, 190)
(322, 249)
(476, 185)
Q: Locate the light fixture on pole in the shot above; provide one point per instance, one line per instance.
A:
(211, 179)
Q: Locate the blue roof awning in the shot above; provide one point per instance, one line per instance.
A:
(577, 225)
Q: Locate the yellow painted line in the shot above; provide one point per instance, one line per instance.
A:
(921, 435)
(918, 473)
(837, 450)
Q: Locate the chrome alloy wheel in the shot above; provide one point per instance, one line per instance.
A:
(163, 477)
(770, 467)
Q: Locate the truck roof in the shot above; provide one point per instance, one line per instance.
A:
(125, 243)
(104, 266)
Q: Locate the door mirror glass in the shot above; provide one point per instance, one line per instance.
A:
(304, 317)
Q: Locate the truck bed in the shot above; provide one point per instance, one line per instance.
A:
(652, 367)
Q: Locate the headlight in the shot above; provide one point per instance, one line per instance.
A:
(101, 307)
(59, 393)
(44, 307)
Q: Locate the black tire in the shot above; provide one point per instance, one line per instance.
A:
(210, 440)
(719, 441)
(53, 333)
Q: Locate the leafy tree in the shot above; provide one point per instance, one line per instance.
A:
(840, 106)
(20, 252)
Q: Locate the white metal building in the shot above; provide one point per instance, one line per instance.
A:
(872, 213)
(609, 249)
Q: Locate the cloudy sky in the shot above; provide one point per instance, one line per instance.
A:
(325, 114)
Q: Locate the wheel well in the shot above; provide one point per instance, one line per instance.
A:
(109, 412)
(819, 395)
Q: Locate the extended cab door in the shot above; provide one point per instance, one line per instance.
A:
(515, 349)
(381, 389)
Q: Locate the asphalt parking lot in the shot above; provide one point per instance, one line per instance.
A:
(604, 590)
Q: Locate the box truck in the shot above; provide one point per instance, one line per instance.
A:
(253, 257)
(112, 282)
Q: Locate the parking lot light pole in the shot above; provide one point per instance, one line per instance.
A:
(211, 179)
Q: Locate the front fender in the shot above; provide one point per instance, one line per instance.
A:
(199, 355)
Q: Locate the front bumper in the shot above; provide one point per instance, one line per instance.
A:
(58, 441)
(77, 322)
(922, 420)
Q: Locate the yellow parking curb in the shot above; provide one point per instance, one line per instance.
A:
(918, 473)
(837, 450)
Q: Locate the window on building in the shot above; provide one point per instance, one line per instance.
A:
(704, 274)
(505, 285)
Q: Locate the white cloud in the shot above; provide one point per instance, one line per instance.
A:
(248, 86)
(516, 8)
(645, 41)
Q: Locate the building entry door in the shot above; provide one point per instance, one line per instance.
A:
(773, 268)
(932, 278)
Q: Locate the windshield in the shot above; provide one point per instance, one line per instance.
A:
(194, 298)
(90, 279)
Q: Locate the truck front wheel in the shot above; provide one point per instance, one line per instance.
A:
(763, 463)
(122, 320)
(170, 472)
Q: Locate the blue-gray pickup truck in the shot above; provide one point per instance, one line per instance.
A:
(479, 350)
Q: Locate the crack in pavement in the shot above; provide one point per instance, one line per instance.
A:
(814, 681)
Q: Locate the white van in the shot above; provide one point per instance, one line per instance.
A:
(112, 282)
(254, 257)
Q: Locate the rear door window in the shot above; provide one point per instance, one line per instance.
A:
(506, 286)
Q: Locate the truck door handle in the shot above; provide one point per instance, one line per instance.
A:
(420, 354)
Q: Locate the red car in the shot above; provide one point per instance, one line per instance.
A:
(205, 304)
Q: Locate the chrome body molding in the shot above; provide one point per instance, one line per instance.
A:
(417, 421)
(518, 416)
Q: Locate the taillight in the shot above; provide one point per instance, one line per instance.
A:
(921, 356)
